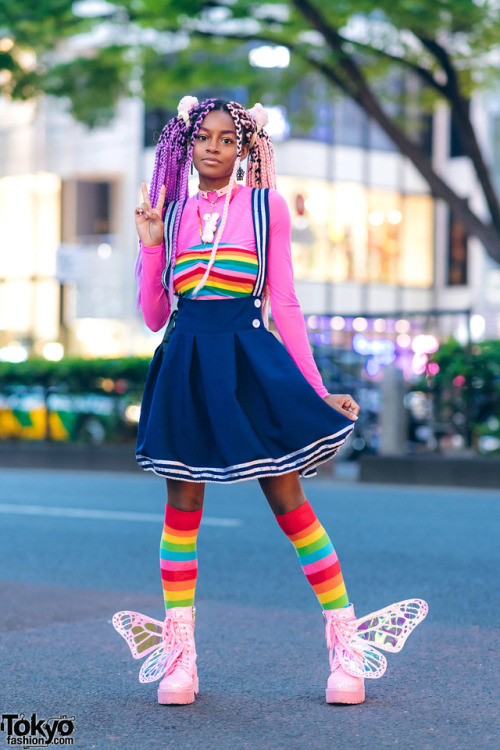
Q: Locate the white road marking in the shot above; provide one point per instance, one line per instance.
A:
(104, 515)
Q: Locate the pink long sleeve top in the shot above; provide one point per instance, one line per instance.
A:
(237, 242)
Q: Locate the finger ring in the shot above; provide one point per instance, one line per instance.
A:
(139, 210)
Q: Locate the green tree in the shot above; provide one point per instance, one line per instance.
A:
(466, 388)
(164, 48)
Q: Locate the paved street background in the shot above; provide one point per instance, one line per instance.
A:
(75, 547)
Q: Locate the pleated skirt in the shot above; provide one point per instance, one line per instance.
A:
(225, 402)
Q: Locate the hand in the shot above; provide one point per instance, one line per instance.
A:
(148, 221)
(344, 404)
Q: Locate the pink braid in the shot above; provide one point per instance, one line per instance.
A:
(261, 172)
(261, 169)
(232, 183)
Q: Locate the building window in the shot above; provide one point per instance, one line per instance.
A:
(86, 209)
(457, 253)
(495, 148)
(154, 122)
(456, 144)
(28, 289)
(351, 125)
(347, 232)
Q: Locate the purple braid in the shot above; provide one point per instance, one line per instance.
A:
(169, 159)
(172, 162)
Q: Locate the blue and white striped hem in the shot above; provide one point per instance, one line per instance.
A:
(304, 460)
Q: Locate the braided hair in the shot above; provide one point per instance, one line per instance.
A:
(174, 154)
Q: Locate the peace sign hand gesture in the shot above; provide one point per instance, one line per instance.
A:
(148, 221)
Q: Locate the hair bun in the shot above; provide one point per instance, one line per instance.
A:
(187, 103)
(259, 114)
(185, 106)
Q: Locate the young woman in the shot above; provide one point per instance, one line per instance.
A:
(225, 401)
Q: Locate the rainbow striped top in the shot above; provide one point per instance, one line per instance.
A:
(232, 275)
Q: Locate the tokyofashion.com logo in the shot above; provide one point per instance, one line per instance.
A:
(24, 731)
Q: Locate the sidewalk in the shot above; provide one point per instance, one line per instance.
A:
(432, 469)
(47, 455)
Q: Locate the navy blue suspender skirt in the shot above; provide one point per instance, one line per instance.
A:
(226, 402)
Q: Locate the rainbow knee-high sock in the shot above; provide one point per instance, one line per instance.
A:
(178, 557)
(316, 555)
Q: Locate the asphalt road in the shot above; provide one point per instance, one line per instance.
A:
(76, 547)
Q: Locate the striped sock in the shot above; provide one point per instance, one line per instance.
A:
(316, 555)
(178, 558)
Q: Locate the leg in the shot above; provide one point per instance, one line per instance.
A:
(313, 546)
(178, 556)
(283, 493)
(179, 569)
(322, 569)
(187, 496)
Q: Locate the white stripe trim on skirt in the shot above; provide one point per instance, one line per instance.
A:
(315, 453)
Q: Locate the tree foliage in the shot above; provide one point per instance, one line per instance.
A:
(94, 53)
(82, 385)
(466, 388)
(76, 374)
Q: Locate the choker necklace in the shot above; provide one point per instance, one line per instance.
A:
(220, 192)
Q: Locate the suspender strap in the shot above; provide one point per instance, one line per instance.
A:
(260, 213)
(169, 219)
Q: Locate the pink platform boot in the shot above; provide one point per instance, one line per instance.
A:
(180, 682)
(354, 641)
(342, 687)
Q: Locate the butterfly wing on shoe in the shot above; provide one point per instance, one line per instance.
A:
(158, 663)
(389, 628)
(142, 633)
(362, 660)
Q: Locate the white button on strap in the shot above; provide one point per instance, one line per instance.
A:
(257, 302)
(256, 323)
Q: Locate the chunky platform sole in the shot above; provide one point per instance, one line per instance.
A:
(178, 697)
(349, 697)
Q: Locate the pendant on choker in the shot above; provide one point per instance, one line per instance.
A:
(210, 227)
(219, 192)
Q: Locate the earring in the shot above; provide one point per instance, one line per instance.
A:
(192, 169)
(240, 173)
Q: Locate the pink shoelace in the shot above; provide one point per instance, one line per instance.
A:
(177, 639)
(338, 634)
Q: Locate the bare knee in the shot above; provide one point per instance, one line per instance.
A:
(186, 496)
(283, 493)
